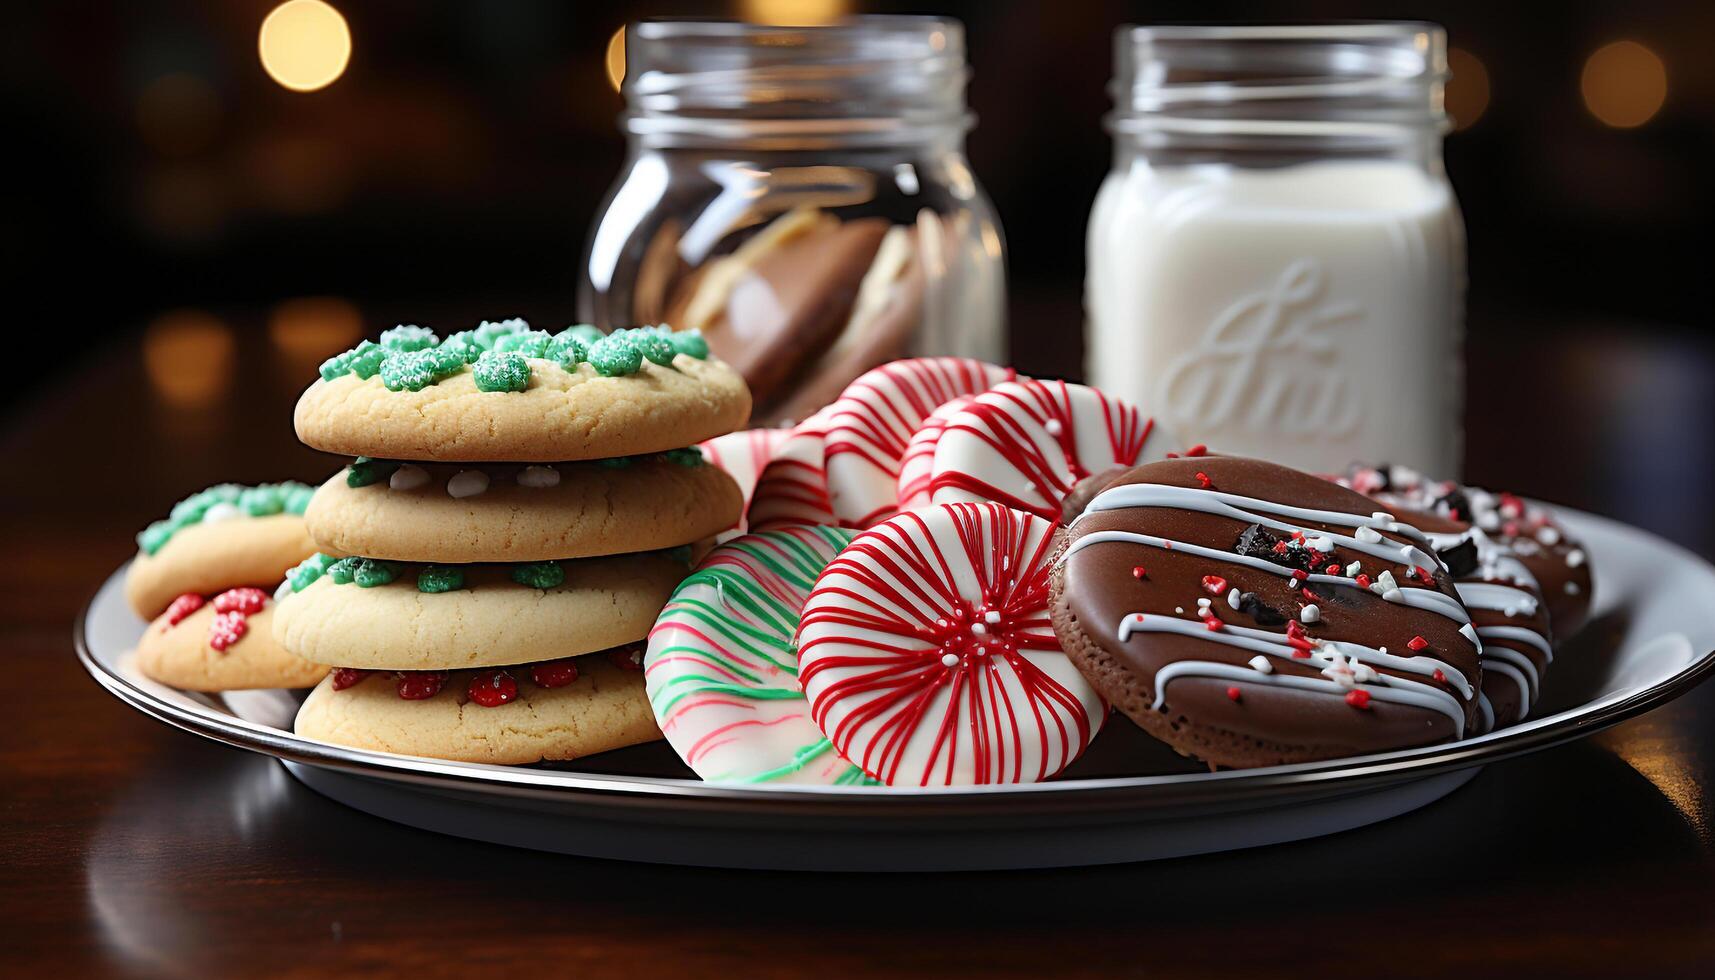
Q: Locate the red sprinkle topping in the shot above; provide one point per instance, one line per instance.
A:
(420, 685)
(1280, 547)
(1293, 629)
(226, 629)
(245, 600)
(344, 677)
(1363, 580)
(1422, 575)
(493, 688)
(554, 673)
(1416, 643)
(1214, 625)
(183, 606)
(1440, 678)
(1214, 584)
(1203, 478)
(1313, 597)
(1172, 455)
(1138, 572)
(1197, 450)
(1358, 698)
(1299, 643)
(1232, 694)
(626, 658)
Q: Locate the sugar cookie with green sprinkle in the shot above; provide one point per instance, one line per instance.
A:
(555, 414)
(220, 538)
(491, 621)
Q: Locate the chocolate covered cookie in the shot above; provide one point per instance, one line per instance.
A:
(1526, 530)
(1249, 614)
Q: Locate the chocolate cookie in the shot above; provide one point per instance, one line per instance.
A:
(1527, 531)
(1249, 614)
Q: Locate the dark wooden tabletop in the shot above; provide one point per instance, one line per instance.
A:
(130, 848)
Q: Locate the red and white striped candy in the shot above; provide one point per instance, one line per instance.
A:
(873, 420)
(928, 657)
(1026, 443)
(793, 487)
(917, 465)
(742, 455)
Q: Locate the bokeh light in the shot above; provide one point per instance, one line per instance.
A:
(616, 59)
(314, 328)
(189, 357)
(793, 13)
(1624, 84)
(304, 44)
(1468, 89)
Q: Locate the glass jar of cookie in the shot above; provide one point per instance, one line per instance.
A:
(802, 197)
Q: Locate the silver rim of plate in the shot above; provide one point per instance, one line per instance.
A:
(1158, 794)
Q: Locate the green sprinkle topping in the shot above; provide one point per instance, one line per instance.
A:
(154, 536)
(615, 355)
(689, 456)
(409, 370)
(367, 359)
(690, 343)
(488, 333)
(464, 344)
(567, 350)
(406, 337)
(614, 462)
(653, 345)
(583, 333)
(502, 371)
(337, 366)
(539, 574)
(366, 572)
(440, 578)
(307, 571)
(234, 500)
(363, 471)
(262, 501)
(530, 343)
(447, 361)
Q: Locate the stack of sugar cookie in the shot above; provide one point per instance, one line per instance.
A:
(204, 576)
(521, 506)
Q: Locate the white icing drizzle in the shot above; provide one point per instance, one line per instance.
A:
(1254, 511)
(1428, 599)
(467, 483)
(1487, 710)
(408, 477)
(1518, 667)
(1518, 634)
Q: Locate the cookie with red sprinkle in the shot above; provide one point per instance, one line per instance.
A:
(549, 711)
(223, 642)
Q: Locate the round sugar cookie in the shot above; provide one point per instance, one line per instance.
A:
(559, 415)
(871, 424)
(1027, 443)
(487, 619)
(793, 487)
(223, 537)
(604, 708)
(1251, 615)
(221, 643)
(928, 658)
(439, 512)
(743, 455)
(722, 669)
(917, 466)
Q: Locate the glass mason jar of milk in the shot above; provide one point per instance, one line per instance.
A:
(1276, 262)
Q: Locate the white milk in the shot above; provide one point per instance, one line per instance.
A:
(1311, 314)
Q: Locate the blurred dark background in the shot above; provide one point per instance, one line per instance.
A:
(187, 226)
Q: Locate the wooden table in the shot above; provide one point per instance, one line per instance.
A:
(130, 848)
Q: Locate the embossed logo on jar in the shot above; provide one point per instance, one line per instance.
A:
(1270, 362)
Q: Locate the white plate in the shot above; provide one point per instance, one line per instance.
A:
(1651, 638)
